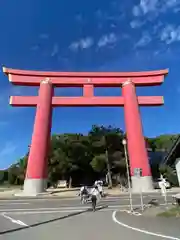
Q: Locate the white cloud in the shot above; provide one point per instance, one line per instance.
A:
(148, 5)
(169, 4)
(107, 39)
(144, 40)
(170, 34)
(136, 23)
(154, 6)
(136, 11)
(83, 43)
(74, 46)
(86, 43)
(144, 7)
(172, 3)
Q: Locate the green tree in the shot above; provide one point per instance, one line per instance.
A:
(70, 155)
(2, 176)
(78, 158)
(152, 143)
(162, 142)
(98, 163)
(105, 142)
(169, 173)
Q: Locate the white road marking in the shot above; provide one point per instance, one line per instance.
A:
(123, 196)
(46, 212)
(107, 199)
(131, 213)
(58, 211)
(19, 202)
(140, 230)
(65, 208)
(14, 220)
(120, 199)
(159, 196)
(81, 207)
(2, 204)
(55, 211)
(39, 199)
(59, 199)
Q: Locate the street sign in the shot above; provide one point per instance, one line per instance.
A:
(138, 172)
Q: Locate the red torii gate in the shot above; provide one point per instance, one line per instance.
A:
(36, 174)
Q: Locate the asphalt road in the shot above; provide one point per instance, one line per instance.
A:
(55, 218)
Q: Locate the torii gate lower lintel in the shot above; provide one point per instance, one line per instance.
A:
(36, 174)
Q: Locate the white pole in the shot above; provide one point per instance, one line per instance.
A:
(128, 175)
(142, 204)
(165, 195)
(165, 198)
(163, 189)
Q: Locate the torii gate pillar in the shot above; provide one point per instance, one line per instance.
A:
(36, 174)
(136, 144)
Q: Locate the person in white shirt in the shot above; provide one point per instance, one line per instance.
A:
(84, 193)
(96, 183)
(83, 190)
(95, 196)
(99, 184)
(162, 185)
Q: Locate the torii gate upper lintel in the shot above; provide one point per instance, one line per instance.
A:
(36, 174)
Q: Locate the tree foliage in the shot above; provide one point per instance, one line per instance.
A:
(169, 173)
(162, 142)
(80, 158)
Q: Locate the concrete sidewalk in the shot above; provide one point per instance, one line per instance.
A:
(109, 192)
(69, 193)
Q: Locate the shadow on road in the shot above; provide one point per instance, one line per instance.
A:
(52, 220)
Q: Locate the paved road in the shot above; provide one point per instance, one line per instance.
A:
(67, 218)
(158, 225)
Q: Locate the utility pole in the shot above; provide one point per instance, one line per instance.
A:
(108, 170)
(128, 174)
(108, 165)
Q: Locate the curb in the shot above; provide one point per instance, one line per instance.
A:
(35, 197)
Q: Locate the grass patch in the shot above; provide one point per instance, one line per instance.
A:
(172, 212)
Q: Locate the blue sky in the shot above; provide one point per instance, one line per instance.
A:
(80, 35)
